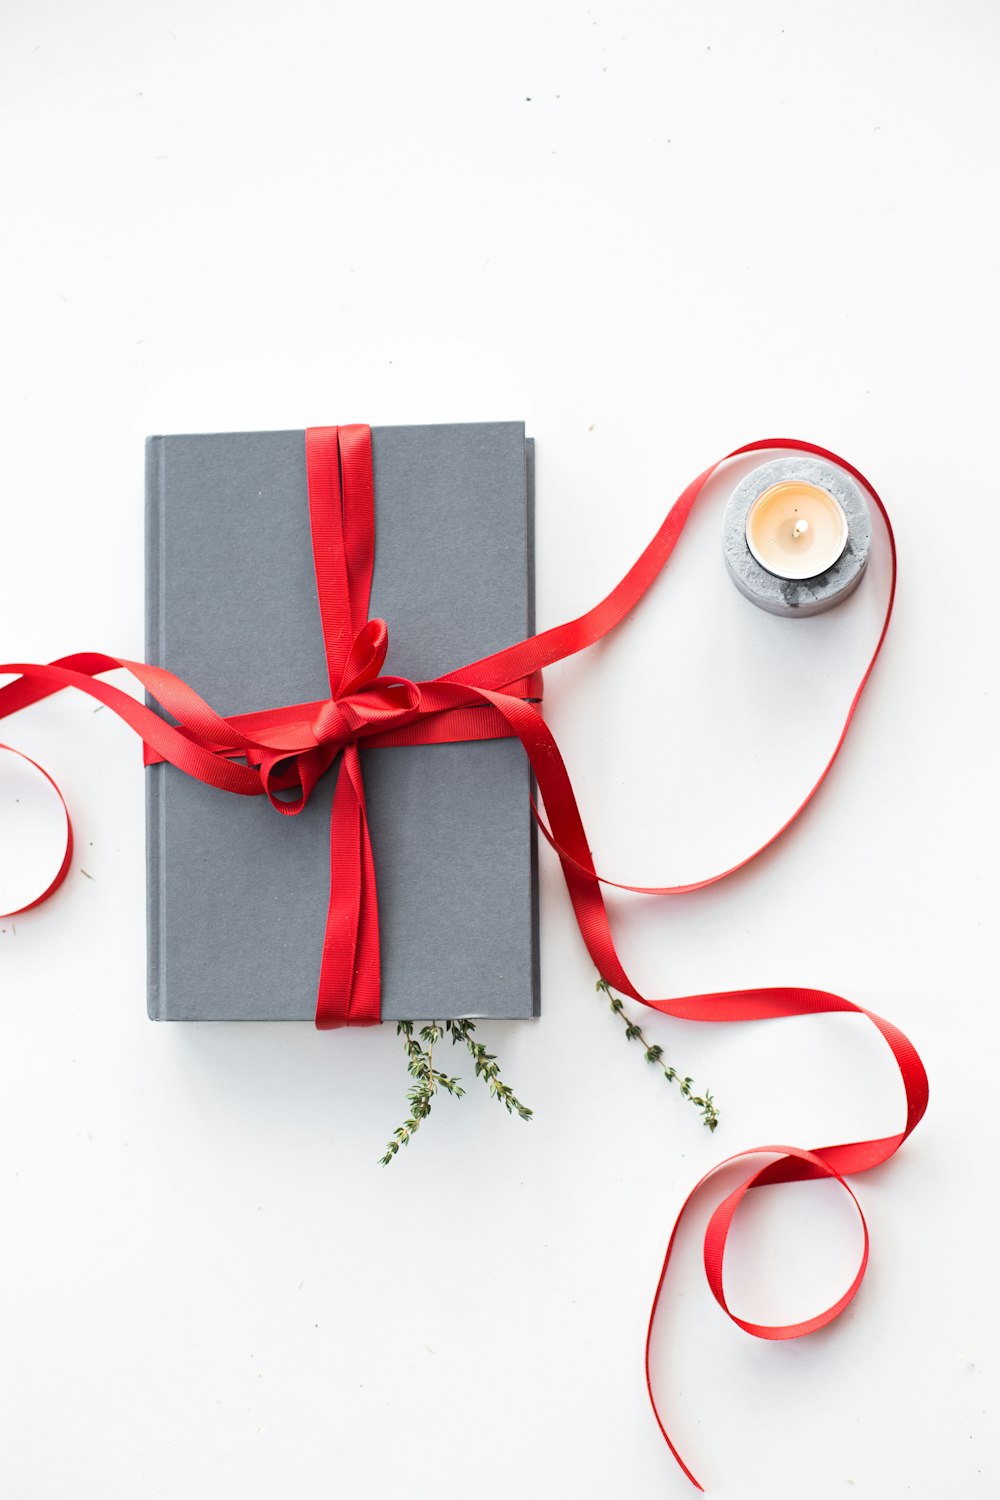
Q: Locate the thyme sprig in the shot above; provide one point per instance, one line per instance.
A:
(428, 1080)
(654, 1054)
(487, 1068)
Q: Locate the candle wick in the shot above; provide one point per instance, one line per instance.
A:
(800, 528)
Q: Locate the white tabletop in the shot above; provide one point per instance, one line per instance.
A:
(653, 232)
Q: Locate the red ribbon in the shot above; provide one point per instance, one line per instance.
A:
(282, 753)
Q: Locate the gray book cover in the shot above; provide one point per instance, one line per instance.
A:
(236, 893)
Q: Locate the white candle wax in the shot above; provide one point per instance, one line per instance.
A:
(796, 530)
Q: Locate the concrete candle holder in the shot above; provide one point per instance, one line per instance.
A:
(797, 596)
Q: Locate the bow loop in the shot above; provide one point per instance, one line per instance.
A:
(297, 774)
(366, 657)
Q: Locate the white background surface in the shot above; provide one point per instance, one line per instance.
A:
(653, 231)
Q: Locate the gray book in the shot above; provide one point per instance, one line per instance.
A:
(236, 893)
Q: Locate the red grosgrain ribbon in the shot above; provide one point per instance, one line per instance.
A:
(67, 855)
(282, 753)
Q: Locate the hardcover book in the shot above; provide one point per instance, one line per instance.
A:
(237, 894)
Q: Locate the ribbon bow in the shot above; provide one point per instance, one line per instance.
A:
(286, 750)
(291, 753)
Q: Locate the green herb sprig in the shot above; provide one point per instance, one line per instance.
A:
(487, 1068)
(428, 1080)
(654, 1054)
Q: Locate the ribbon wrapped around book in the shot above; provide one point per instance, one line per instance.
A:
(281, 753)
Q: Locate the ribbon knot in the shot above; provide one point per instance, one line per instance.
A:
(366, 703)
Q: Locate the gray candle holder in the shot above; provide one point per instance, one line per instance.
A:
(797, 596)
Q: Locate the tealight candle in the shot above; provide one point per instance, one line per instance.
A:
(797, 535)
(796, 530)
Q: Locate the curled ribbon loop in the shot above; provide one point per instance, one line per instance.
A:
(67, 854)
(718, 1231)
(287, 750)
(366, 657)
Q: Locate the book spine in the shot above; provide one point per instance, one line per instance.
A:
(155, 462)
